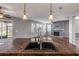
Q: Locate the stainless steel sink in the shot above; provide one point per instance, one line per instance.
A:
(33, 45)
(44, 46)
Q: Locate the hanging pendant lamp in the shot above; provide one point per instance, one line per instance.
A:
(24, 15)
(50, 15)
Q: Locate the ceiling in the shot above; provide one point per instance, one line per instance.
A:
(40, 11)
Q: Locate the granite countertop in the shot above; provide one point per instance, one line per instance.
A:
(19, 44)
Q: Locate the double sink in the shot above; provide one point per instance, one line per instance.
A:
(44, 46)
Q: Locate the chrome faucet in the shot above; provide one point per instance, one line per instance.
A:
(40, 37)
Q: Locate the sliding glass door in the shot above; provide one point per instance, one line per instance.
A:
(5, 29)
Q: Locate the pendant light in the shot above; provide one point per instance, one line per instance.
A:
(50, 15)
(24, 16)
(1, 13)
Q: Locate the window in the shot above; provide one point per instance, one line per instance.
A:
(43, 27)
(33, 28)
(10, 29)
(5, 29)
(49, 29)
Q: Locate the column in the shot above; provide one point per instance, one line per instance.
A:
(72, 38)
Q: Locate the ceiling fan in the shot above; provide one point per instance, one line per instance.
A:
(3, 14)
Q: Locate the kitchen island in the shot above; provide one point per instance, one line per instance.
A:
(19, 44)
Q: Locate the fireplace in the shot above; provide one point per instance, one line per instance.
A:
(56, 34)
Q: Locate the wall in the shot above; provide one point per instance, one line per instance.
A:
(77, 25)
(77, 28)
(66, 28)
(22, 29)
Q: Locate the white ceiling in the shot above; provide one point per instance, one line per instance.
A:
(40, 11)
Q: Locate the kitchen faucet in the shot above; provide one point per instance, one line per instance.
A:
(40, 37)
